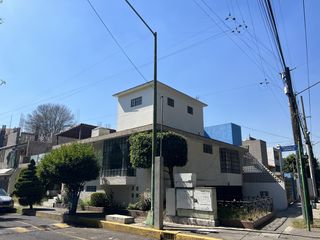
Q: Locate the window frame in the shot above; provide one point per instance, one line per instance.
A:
(207, 148)
(170, 102)
(136, 101)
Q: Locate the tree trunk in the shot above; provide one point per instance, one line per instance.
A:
(31, 207)
(170, 169)
(74, 197)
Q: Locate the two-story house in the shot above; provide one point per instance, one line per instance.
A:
(215, 163)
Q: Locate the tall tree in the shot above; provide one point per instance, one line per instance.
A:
(290, 164)
(174, 151)
(28, 188)
(71, 165)
(49, 119)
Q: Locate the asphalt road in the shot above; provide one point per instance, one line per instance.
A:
(17, 227)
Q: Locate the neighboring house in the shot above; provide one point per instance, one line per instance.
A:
(215, 163)
(275, 160)
(15, 152)
(228, 133)
(257, 148)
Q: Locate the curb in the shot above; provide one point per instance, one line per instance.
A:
(151, 232)
(125, 228)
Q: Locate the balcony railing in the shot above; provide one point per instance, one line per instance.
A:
(122, 172)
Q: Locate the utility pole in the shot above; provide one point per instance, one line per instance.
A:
(151, 219)
(295, 120)
(311, 159)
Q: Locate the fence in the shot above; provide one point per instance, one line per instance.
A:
(130, 172)
(242, 209)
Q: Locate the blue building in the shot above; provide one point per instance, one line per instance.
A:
(228, 132)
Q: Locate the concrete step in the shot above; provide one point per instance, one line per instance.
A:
(120, 218)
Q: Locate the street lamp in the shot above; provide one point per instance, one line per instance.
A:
(154, 124)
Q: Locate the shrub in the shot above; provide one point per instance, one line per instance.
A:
(98, 199)
(143, 203)
(28, 188)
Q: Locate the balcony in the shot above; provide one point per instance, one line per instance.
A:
(119, 176)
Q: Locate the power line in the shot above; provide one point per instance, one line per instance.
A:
(265, 132)
(116, 41)
(307, 58)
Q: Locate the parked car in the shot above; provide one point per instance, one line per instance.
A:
(6, 202)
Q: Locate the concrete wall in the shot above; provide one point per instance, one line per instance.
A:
(276, 190)
(176, 117)
(207, 166)
(258, 149)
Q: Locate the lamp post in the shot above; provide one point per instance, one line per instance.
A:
(154, 125)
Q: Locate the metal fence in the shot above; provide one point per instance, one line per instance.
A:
(122, 172)
(240, 209)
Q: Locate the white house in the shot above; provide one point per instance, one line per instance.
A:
(215, 163)
(275, 160)
(135, 108)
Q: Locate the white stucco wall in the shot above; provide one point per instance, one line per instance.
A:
(275, 190)
(176, 117)
(207, 166)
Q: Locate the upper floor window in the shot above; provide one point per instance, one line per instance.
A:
(190, 110)
(207, 148)
(170, 102)
(229, 161)
(136, 101)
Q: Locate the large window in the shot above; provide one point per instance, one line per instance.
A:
(116, 159)
(136, 101)
(229, 161)
(190, 110)
(207, 148)
(170, 102)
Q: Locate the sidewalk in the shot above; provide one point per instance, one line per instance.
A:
(279, 228)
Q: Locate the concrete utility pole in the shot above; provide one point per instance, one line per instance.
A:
(311, 159)
(154, 125)
(295, 119)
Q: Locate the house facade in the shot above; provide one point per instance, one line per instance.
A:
(215, 163)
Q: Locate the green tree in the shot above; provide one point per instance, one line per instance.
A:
(290, 163)
(174, 151)
(71, 165)
(28, 188)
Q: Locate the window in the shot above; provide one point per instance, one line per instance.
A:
(229, 161)
(190, 110)
(91, 188)
(207, 148)
(136, 101)
(170, 102)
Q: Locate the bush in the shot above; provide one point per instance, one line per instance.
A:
(98, 199)
(143, 203)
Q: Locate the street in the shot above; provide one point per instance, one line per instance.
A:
(14, 226)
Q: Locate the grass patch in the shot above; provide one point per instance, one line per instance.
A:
(299, 223)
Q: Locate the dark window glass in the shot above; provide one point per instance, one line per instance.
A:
(170, 102)
(229, 161)
(207, 148)
(91, 188)
(136, 101)
(190, 110)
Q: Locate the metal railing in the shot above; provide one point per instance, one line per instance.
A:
(121, 172)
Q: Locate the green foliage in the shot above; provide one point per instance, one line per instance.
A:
(143, 203)
(290, 163)
(174, 150)
(71, 165)
(141, 149)
(28, 188)
(98, 199)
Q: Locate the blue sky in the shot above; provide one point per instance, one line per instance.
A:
(59, 52)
